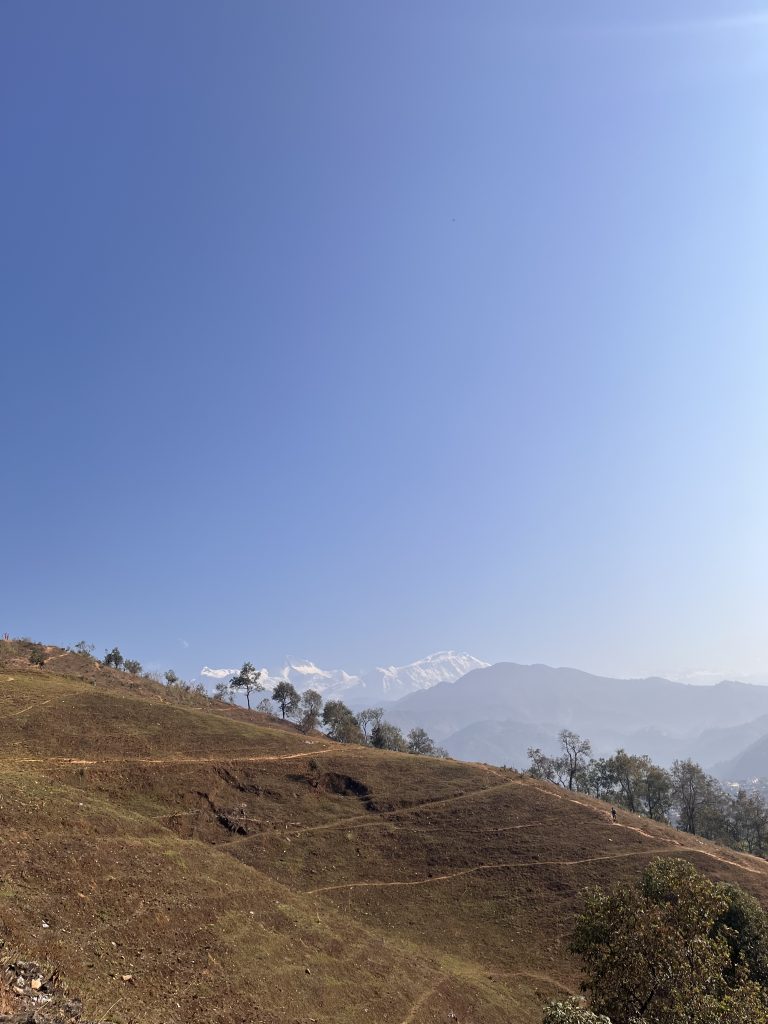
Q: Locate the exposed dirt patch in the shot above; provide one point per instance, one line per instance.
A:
(343, 785)
(237, 783)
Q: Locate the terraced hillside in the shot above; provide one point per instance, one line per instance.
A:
(180, 865)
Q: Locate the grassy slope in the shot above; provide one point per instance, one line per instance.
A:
(368, 886)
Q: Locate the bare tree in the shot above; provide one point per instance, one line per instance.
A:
(576, 753)
(369, 717)
(221, 690)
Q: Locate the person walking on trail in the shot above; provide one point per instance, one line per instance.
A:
(613, 815)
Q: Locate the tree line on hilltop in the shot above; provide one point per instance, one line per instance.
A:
(307, 710)
(685, 795)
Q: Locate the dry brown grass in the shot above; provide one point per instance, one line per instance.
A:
(7, 1004)
(368, 885)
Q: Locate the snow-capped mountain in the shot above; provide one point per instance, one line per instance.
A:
(380, 684)
(305, 675)
(444, 667)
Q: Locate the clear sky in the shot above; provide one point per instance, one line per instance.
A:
(355, 330)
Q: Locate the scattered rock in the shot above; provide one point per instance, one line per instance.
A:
(37, 994)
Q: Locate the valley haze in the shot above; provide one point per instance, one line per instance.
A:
(495, 713)
(379, 684)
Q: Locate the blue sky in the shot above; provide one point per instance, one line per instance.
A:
(356, 331)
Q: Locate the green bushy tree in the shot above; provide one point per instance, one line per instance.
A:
(386, 736)
(658, 952)
(287, 698)
(247, 681)
(310, 709)
(113, 658)
(701, 804)
(341, 723)
(571, 1011)
(420, 742)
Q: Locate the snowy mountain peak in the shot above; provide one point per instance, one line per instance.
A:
(388, 683)
(380, 684)
(305, 675)
(304, 667)
(442, 667)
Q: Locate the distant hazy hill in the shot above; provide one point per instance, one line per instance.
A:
(494, 713)
(752, 761)
(500, 743)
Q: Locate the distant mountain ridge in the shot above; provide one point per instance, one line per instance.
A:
(380, 684)
(494, 714)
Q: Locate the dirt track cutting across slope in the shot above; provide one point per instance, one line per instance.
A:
(524, 864)
(30, 707)
(171, 759)
(483, 867)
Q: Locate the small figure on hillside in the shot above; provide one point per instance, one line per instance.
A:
(613, 815)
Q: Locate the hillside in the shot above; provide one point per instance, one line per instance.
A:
(749, 763)
(181, 864)
(508, 707)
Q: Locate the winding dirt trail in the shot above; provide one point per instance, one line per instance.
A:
(172, 759)
(547, 979)
(508, 865)
(372, 819)
(505, 865)
(422, 1000)
(382, 817)
(462, 977)
(31, 707)
(358, 821)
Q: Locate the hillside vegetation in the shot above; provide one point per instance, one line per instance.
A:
(181, 864)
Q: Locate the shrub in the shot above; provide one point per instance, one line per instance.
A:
(37, 657)
(571, 1011)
